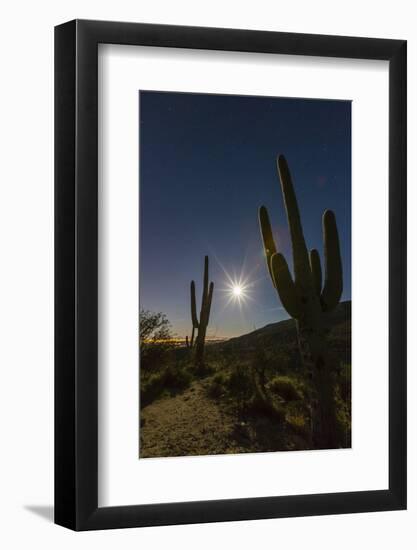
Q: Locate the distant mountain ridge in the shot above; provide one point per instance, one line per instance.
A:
(283, 334)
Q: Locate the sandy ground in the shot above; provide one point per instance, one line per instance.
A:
(191, 423)
(186, 424)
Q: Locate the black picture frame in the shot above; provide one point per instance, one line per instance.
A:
(76, 272)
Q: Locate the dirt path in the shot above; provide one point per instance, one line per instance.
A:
(187, 424)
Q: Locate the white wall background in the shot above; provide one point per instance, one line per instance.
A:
(26, 273)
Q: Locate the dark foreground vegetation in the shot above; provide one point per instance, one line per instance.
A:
(251, 395)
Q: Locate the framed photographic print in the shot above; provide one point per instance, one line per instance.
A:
(230, 275)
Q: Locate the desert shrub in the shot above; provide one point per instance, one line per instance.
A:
(204, 370)
(151, 387)
(343, 395)
(218, 385)
(262, 404)
(177, 377)
(285, 387)
(155, 340)
(241, 386)
(344, 426)
(240, 382)
(345, 382)
(261, 359)
(216, 357)
(298, 418)
(260, 370)
(297, 421)
(169, 380)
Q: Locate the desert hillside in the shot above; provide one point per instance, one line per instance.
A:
(252, 396)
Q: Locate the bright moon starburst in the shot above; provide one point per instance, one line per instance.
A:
(237, 291)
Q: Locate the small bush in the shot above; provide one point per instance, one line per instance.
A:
(240, 382)
(343, 396)
(241, 387)
(345, 383)
(297, 421)
(204, 370)
(170, 380)
(151, 387)
(285, 388)
(261, 404)
(176, 378)
(156, 342)
(218, 385)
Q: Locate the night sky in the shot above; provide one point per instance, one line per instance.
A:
(207, 162)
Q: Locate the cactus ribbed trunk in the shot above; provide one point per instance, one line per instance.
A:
(306, 301)
(201, 323)
(317, 363)
(199, 348)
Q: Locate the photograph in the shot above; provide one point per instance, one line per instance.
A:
(244, 274)
(193, 198)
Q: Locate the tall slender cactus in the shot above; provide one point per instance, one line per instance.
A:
(308, 302)
(201, 323)
(189, 342)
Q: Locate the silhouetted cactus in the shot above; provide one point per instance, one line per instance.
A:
(308, 302)
(201, 323)
(189, 342)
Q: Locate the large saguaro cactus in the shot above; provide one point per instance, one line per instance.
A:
(308, 301)
(201, 323)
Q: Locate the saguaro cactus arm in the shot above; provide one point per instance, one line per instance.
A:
(205, 311)
(278, 267)
(315, 267)
(299, 249)
(189, 342)
(267, 238)
(193, 306)
(333, 282)
(285, 286)
(200, 323)
(204, 298)
(209, 300)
